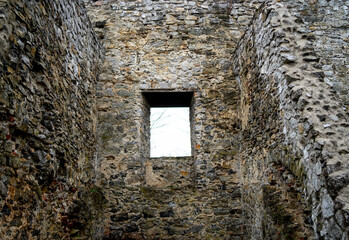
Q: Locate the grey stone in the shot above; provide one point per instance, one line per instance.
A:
(8, 147)
(289, 58)
(327, 206)
(3, 190)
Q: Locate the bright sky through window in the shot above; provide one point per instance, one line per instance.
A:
(170, 132)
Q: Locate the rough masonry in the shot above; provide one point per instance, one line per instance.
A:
(269, 119)
(49, 64)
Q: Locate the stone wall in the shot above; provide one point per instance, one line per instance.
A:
(145, 212)
(176, 172)
(290, 154)
(50, 58)
(326, 25)
(167, 46)
(170, 46)
(269, 119)
(294, 158)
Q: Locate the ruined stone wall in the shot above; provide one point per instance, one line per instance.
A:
(49, 62)
(172, 46)
(291, 151)
(269, 119)
(294, 156)
(326, 25)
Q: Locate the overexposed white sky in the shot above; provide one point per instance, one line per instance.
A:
(169, 132)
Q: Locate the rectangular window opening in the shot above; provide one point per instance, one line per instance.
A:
(170, 132)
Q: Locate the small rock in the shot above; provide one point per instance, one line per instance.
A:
(16, 222)
(131, 227)
(289, 58)
(333, 118)
(9, 146)
(119, 217)
(171, 19)
(3, 190)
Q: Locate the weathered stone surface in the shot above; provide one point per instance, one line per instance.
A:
(286, 125)
(257, 102)
(49, 61)
(269, 119)
(178, 46)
